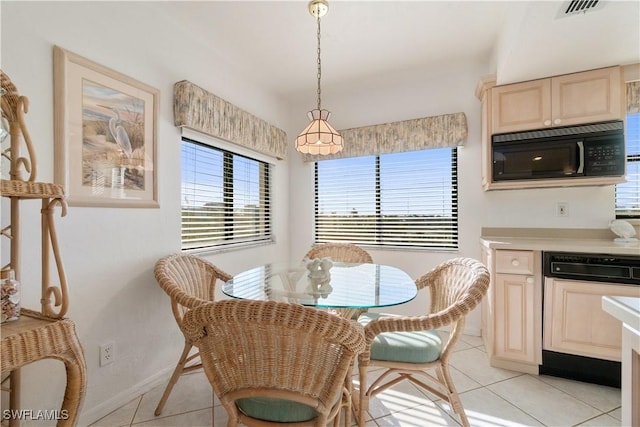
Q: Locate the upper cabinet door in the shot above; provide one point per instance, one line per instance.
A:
(521, 106)
(590, 96)
(572, 99)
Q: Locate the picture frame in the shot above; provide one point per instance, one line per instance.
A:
(105, 141)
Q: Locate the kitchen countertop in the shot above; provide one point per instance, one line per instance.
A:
(625, 309)
(559, 240)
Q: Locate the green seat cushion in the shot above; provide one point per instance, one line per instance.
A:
(408, 347)
(276, 410)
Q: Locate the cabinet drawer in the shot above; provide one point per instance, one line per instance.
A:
(514, 262)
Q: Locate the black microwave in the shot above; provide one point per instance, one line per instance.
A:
(591, 150)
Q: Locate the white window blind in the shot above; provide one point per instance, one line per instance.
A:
(628, 193)
(225, 198)
(392, 200)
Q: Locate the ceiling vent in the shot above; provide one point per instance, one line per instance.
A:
(576, 7)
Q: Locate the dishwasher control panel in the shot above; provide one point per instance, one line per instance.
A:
(592, 267)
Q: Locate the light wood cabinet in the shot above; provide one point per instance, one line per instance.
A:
(571, 99)
(586, 97)
(513, 313)
(521, 106)
(482, 93)
(575, 322)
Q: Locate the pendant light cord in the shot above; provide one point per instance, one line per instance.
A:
(319, 63)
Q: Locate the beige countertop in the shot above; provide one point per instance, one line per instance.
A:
(559, 240)
(625, 309)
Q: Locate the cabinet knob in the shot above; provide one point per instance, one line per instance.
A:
(530, 280)
(515, 262)
(557, 121)
(547, 122)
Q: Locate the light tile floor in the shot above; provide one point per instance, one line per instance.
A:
(491, 397)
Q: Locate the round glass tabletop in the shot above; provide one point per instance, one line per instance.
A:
(341, 285)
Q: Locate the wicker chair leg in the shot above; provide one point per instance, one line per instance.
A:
(454, 399)
(174, 377)
(213, 408)
(363, 401)
(348, 393)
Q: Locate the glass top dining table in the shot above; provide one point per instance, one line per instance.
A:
(347, 288)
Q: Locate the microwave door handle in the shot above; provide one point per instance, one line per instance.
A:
(580, 157)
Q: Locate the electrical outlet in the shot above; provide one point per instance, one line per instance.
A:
(107, 353)
(562, 209)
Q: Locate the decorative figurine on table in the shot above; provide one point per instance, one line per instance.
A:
(320, 276)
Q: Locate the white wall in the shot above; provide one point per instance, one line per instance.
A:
(109, 253)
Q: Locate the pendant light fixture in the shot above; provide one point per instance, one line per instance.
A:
(319, 137)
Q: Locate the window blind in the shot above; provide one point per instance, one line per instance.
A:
(628, 193)
(392, 200)
(225, 198)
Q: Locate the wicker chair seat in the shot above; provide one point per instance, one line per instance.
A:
(408, 347)
(276, 410)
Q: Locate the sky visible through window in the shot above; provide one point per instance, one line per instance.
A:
(203, 180)
(628, 193)
(633, 134)
(401, 181)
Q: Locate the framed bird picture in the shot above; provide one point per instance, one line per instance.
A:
(105, 134)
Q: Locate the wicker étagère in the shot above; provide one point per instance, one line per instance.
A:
(44, 334)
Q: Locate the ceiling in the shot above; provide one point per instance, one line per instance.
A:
(273, 43)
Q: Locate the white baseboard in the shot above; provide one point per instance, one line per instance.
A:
(91, 415)
(473, 331)
(468, 330)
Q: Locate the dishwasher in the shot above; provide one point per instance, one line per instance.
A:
(580, 340)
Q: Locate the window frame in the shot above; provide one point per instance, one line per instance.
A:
(630, 158)
(228, 152)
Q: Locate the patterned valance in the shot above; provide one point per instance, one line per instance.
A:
(448, 130)
(633, 97)
(197, 109)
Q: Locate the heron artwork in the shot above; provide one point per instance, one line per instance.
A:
(119, 134)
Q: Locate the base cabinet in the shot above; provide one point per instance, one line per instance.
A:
(515, 317)
(575, 322)
(513, 314)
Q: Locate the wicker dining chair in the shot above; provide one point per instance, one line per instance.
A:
(275, 363)
(410, 347)
(340, 252)
(189, 281)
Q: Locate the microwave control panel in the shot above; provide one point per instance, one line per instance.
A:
(604, 159)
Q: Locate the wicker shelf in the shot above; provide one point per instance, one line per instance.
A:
(44, 334)
(34, 337)
(31, 190)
